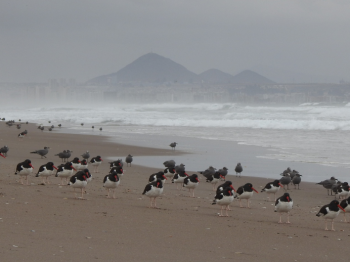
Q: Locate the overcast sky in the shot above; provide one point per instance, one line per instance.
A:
(82, 39)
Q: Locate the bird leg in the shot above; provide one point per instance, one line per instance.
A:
(240, 204)
(345, 217)
(27, 180)
(75, 193)
(280, 222)
(333, 225)
(82, 193)
(288, 218)
(248, 203)
(221, 215)
(107, 192)
(227, 207)
(114, 193)
(155, 205)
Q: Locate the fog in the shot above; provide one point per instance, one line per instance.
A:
(283, 40)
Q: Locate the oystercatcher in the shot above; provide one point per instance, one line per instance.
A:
(224, 199)
(284, 204)
(221, 188)
(45, 171)
(342, 190)
(96, 162)
(79, 181)
(157, 176)
(179, 178)
(128, 160)
(153, 190)
(245, 192)
(169, 172)
(214, 179)
(191, 182)
(272, 188)
(239, 169)
(65, 171)
(83, 165)
(76, 163)
(21, 135)
(111, 181)
(118, 162)
(330, 211)
(24, 169)
(117, 169)
(345, 204)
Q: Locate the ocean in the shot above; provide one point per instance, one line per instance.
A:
(311, 138)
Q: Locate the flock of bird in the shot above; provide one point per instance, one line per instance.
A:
(225, 193)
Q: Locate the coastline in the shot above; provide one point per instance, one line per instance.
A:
(47, 223)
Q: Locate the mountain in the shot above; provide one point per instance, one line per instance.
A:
(150, 68)
(215, 76)
(250, 77)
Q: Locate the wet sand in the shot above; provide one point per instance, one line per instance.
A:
(46, 222)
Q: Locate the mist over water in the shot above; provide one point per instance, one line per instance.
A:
(308, 133)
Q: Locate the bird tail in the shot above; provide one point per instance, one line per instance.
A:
(263, 190)
(34, 152)
(318, 214)
(214, 202)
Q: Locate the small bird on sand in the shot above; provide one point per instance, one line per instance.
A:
(272, 188)
(128, 160)
(96, 162)
(245, 192)
(239, 169)
(285, 181)
(345, 204)
(179, 178)
(45, 171)
(79, 181)
(86, 155)
(169, 163)
(327, 184)
(76, 163)
(191, 182)
(284, 204)
(223, 172)
(169, 172)
(224, 199)
(330, 211)
(153, 190)
(64, 171)
(173, 145)
(296, 180)
(214, 179)
(111, 181)
(157, 176)
(4, 150)
(42, 152)
(24, 169)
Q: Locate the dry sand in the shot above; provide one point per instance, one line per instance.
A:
(46, 223)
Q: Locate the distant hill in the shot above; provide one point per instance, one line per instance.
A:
(150, 68)
(250, 77)
(215, 76)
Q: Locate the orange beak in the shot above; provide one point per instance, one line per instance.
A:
(2, 155)
(280, 185)
(255, 190)
(341, 208)
(55, 167)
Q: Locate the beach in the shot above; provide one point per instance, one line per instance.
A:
(46, 222)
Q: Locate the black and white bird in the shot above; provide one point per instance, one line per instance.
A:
(45, 171)
(191, 182)
(24, 169)
(214, 179)
(83, 165)
(86, 155)
(21, 135)
(173, 145)
(79, 180)
(110, 182)
(221, 188)
(96, 162)
(157, 176)
(4, 150)
(118, 162)
(128, 160)
(42, 152)
(284, 204)
(153, 190)
(76, 163)
(272, 188)
(169, 172)
(118, 170)
(238, 169)
(330, 211)
(223, 171)
(245, 192)
(342, 190)
(64, 171)
(327, 184)
(345, 204)
(224, 199)
(179, 179)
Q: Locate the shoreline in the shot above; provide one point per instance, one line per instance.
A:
(47, 223)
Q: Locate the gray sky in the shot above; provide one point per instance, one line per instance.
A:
(42, 39)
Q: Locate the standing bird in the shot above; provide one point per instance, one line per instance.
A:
(345, 204)
(79, 181)
(169, 163)
(153, 190)
(83, 165)
(208, 172)
(180, 168)
(45, 171)
(62, 155)
(21, 135)
(285, 181)
(169, 172)
(82, 124)
(214, 179)
(118, 170)
(65, 171)
(272, 188)
(100, 128)
(223, 172)
(330, 211)
(76, 163)
(239, 169)
(24, 169)
(111, 181)
(86, 155)
(224, 199)
(296, 180)
(327, 184)
(223, 186)
(342, 190)
(4, 150)
(116, 163)
(284, 204)
(59, 125)
(128, 159)
(245, 192)
(179, 178)
(173, 145)
(191, 182)
(41, 152)
(96, 162)
(157, 176)
(288, 170)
